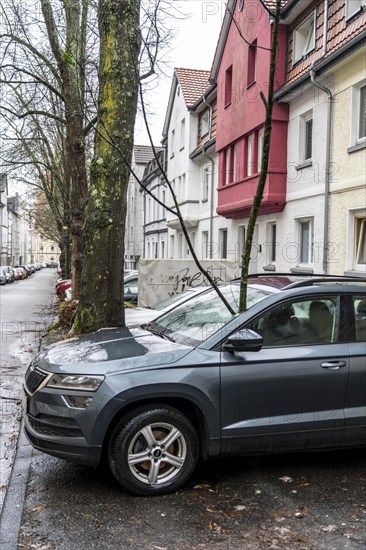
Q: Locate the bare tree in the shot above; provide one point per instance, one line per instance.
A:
(47, 58)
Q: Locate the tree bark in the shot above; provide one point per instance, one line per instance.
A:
(101, 296)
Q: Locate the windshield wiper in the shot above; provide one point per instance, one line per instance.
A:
(153, 330)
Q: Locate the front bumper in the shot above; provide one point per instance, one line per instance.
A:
(72, 449)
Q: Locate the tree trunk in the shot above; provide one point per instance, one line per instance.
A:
(101, 295)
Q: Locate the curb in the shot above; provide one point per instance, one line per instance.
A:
(12, 511)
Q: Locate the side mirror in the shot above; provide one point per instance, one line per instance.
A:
(243, 340)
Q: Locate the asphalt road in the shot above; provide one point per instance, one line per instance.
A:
(294, 502)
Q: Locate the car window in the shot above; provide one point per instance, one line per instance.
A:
(195, 320)
(359, 304)
(131, 287)
(172, 300)
(300, 322)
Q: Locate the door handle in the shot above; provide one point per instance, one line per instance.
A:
(334, 365)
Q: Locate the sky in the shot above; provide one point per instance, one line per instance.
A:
(193, 47)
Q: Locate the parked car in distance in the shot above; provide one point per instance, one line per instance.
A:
(9, 273)
(3, 280)
(130, 287)
(19, 273)
(61, 286)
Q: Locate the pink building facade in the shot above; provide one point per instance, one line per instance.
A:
(241, 70)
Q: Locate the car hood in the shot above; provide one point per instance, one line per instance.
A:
(111, 350)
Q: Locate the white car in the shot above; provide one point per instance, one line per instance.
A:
(140, 315)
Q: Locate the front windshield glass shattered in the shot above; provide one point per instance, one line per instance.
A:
(194, 321)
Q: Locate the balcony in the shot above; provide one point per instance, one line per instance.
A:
(235, 200)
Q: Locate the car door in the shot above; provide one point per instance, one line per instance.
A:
(290, 394)
(355, 406)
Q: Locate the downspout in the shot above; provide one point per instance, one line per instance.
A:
(212, 176)
(328, 145)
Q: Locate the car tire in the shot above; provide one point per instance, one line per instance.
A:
(137, 450)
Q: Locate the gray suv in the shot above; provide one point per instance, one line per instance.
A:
(288, 374)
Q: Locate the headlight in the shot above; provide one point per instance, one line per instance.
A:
(79, 382)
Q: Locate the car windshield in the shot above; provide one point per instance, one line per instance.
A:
(195, 320)
(172, 300)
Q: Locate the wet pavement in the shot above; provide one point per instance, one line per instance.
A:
(294, 502)
(25, 312)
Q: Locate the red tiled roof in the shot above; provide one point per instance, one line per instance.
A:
(194, 83)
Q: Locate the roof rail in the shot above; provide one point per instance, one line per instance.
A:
(328, 279)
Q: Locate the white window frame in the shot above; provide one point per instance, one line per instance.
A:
(182, 133)
(355, 241)
(310, 248)
(226, 166)
(205, 181)
(272, 249)
(223, 242)
(205, 123)
(304, 38)
(260, 148)
(355, 138)
(234, 152)
(172, 142)
(250, 155)
(305, 118)
(353, 7)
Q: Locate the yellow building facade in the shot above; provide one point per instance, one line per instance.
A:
(347, 213)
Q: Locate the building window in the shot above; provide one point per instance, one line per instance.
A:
(360, 244)
(182, 133)
(304, 38)
(205, 182)
(252, 58)
(353, 7)
(249, 155)
(260, 148)
(226, 166)
(205, 250)
(164, 202)
(52, 248)
(234, 160)
(272, 236)
(162, 244)
(362, 112)
(181, 246)
(306, 241)
(205, 123)
(306, 137)
(223, 243)
(172, 142)
(358, 116)
(171, 246)
(228, 85)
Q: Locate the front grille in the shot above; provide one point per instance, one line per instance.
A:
(54, 425)
(34, 378)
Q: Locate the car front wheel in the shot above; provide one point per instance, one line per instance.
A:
(153, 451)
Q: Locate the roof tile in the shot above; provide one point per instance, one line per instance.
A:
(194, 83)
